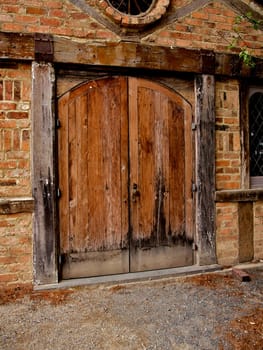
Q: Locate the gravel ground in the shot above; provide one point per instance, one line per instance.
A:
(210, 311)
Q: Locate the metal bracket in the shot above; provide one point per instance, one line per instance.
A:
(44, 50)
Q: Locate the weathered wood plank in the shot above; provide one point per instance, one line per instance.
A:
(205, 119)
(16, 205)
(239, 196)
(17, 46)
(246, 230)
(44, 182)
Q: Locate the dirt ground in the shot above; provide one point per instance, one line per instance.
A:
(209, 311)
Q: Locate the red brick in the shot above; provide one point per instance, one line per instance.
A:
(6, 260)
(23, 164)
(8, 90)
(36, 11)
(10, 164)
(200, 15)
(17, 115)
(9, 277)
(27, 19)
(1, 89)
(17, 90)
(54, 4)
(52, 22)
(7, 105)
(8, 182)
(12, 27)
(25, 140)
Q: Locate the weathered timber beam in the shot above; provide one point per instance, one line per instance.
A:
(136, 55)
(41, 47)
(127, 54)
(239, 195)
(16, 205)
(17, 46)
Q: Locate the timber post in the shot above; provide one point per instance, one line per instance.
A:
(44, 179)
(205, 168)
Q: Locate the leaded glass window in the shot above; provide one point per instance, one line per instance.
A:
(256, 138)
(131, 7)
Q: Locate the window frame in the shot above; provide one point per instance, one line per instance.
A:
(254, 181)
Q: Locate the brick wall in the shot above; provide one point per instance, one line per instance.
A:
(258, 230)
(228, 171)
(15, 175)
(228, 176)
(210, 27)
(227, 233)
(15, 249)
(54, 17)
(15, 132)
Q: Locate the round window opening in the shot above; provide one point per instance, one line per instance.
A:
(132, 7)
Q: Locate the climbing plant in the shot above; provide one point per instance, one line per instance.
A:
(238, 41)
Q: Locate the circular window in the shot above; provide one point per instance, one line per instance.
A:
(134, 13)
(131, 7)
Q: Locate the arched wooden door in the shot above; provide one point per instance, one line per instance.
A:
(125, 173)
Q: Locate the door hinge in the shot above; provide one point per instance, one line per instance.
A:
(58, 193)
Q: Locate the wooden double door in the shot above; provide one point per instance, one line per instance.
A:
(125, 174)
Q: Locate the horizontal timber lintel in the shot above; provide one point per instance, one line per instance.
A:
(14, 205)
(239, 195)
(29, 47)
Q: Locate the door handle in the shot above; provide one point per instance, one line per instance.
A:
(135, 192)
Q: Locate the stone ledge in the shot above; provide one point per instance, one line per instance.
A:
(14, 205)
(239, 195)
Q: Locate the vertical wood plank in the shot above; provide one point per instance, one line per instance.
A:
(205, 139)
(177, 168)
(245, 223)
(189, 171)
(44, 181)
(63, 151)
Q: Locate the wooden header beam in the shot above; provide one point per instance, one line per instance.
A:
(41, 47)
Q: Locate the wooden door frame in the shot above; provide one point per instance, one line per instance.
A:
(46, 242)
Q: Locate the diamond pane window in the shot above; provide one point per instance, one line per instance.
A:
(132, 7)
(256, 134)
